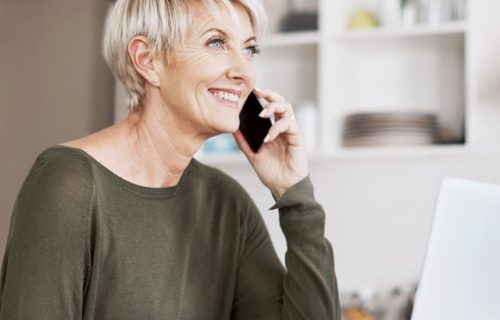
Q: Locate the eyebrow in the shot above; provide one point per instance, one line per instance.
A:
(226, 34)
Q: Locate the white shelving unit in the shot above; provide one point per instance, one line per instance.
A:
(418, 68)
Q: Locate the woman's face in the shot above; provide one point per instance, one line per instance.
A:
(211, 74)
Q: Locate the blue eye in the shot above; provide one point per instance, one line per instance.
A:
(251, 51)
(216, 43)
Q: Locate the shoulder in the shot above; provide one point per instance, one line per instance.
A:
(219, 191)
(62, 165)
(54, 205)
(216, 178)
(60, 177)
(219, 183)
(214, 175)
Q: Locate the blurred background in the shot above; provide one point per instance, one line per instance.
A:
(391, 95)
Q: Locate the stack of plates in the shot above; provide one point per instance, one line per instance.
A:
(390, 129)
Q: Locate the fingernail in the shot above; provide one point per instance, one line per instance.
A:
(257, 89)
(266, 139)
(263, 113)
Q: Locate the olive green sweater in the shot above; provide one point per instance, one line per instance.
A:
(86, 244)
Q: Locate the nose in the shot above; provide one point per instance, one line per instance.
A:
(241, 68)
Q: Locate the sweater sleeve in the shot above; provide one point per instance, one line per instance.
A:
(307, 289)
(47, 255)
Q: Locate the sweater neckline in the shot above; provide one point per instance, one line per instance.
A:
(150, 192)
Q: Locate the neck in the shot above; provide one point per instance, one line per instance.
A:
(163, 146)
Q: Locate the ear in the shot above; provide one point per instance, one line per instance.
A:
(140, 53)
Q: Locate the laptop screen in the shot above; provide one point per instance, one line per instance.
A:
(461, 273)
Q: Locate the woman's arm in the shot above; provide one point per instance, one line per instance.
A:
(47, 253)
(308, 288)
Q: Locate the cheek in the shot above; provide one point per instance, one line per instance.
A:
(202, 66)
(212, 70)
(253, 75)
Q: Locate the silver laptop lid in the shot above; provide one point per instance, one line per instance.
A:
(461, 274)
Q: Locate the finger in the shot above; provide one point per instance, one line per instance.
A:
(243, 144)
(283, 125)
(281, 108)
(269, 95)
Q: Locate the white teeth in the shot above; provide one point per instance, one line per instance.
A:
(226, 96)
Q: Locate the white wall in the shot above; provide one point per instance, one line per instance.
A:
(379, 210)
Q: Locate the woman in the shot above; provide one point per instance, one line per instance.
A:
(125, 224)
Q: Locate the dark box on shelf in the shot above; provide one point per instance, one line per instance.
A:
(300, 21)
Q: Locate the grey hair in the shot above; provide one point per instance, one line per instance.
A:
(164, 23)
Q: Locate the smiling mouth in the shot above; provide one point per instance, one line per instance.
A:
(227, 98)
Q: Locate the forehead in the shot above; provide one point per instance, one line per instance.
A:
(231, 18)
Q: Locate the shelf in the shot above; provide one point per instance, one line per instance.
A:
(239, 158)
(399, 152)
(291, 39)
(351, 153)
(222, 158)
(451, 28)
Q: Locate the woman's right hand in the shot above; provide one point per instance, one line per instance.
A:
(281, 161)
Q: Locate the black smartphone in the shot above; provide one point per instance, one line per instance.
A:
(253, 127)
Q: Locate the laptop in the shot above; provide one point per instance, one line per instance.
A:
(461, 273)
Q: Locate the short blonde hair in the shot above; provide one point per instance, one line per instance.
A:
(164, 23)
